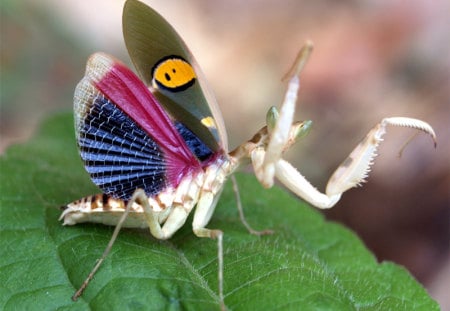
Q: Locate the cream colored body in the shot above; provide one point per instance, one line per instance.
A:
(164, 213)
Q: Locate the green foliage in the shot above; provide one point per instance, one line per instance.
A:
(308, 264)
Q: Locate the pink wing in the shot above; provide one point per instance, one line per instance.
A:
(118, 120)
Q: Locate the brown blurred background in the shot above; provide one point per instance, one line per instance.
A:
(372, 59)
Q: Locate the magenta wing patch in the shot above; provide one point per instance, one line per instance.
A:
(126, 140)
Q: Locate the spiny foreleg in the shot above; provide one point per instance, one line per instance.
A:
(351, 173)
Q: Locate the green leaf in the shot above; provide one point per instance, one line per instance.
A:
(308, 264)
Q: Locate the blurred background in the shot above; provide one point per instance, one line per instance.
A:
(372, 59)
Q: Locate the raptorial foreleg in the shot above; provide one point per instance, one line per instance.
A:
(280, 131)
(350, 173)
(356, 166)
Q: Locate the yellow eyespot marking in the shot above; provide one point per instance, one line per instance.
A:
(173, 73)
(208, 122)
